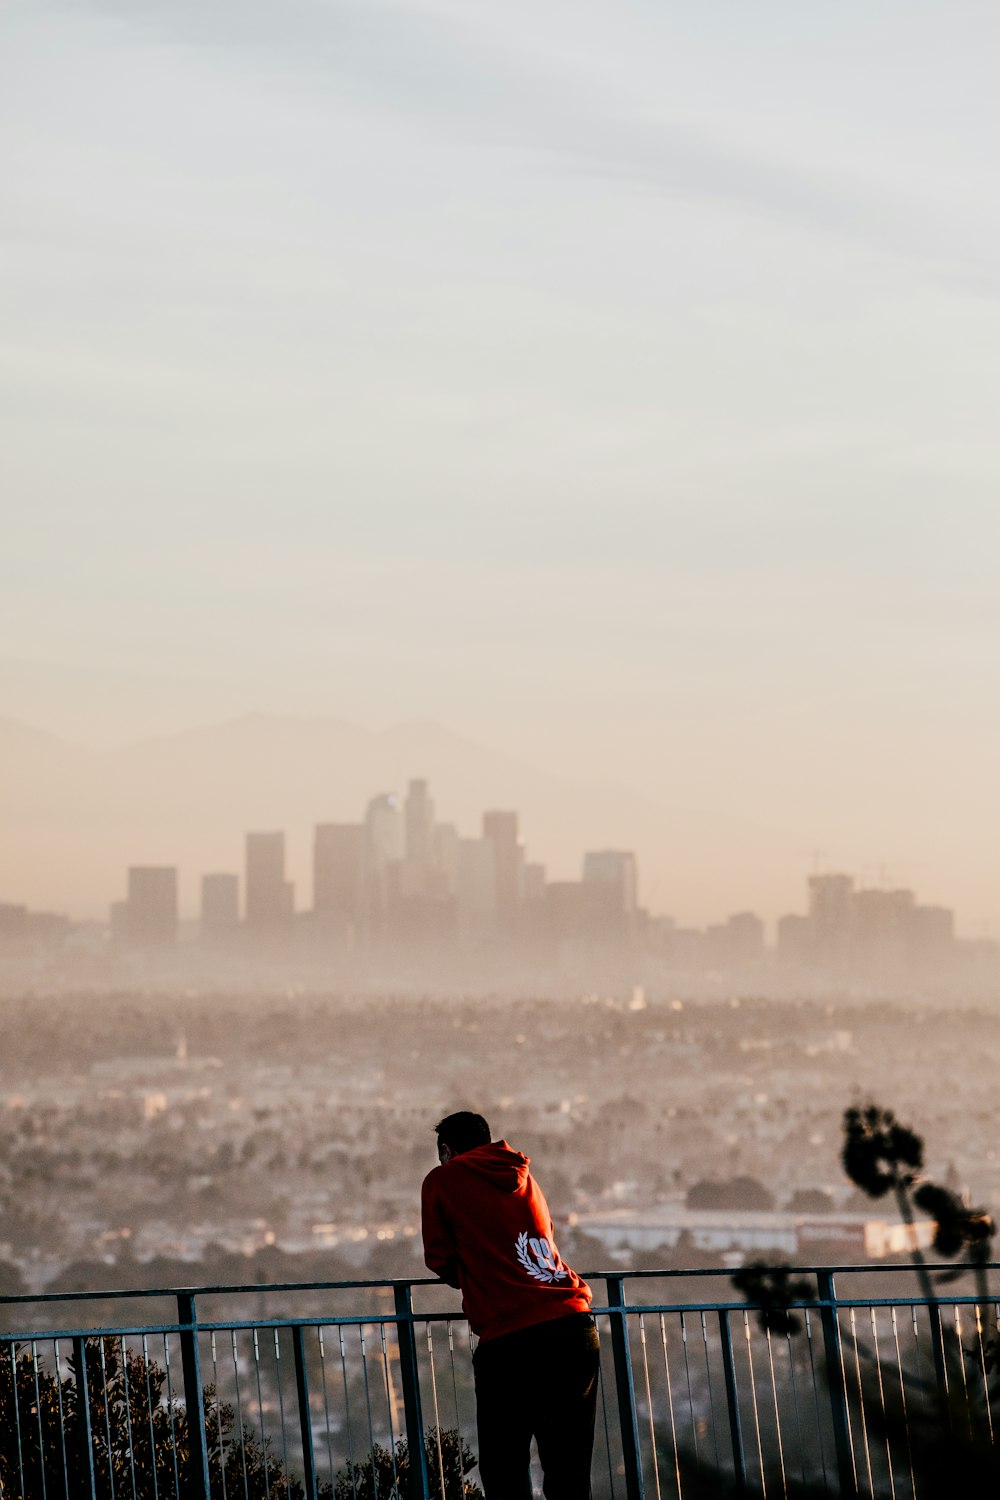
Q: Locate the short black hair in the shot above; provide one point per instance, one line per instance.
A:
(463, 1131)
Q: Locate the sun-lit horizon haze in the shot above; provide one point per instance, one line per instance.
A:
(611, 387)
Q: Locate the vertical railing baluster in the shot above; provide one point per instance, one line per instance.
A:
(625, 1387)
(38, 1417)
(937, 1350)
(173, 1423)
(62, 1416)
(409, 1375)
(817, 1407)
(326, 1407)
(305, 1415)
(239, 1415)
(842, 1446)
(260, 1411)
(149, 1414)
(197, 1475)
(437, 1410)
(83, 1408)
(862, 1403)
(17, 1413)
(607, 1428)
(218, 1415)
(732, 1402)
(281, 1398)
(347, 1417)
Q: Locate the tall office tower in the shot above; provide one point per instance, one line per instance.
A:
(270, 898)
(500, 829)
(382, 856)
(419, 826)
(615, 870)
(881, 926)
(339, 872)
(831, 915)
(220, 904)
(931, 932)
(383, 833)
(149, 917)
(746, 937)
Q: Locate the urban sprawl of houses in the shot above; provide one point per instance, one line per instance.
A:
(165, 1139)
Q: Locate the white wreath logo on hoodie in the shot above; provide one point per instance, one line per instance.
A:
(545, 1266)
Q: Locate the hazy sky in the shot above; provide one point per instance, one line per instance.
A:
(614, 382)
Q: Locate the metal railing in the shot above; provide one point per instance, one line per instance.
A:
(377, 1402)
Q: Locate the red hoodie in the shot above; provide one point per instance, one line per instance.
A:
(487, 1229)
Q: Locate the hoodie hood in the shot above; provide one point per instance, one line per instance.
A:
(498, 1164)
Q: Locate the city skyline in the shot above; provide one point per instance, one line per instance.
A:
(267, 769)
(399, 875)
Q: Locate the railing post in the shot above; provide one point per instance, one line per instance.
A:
(833, 1352)
(627, 1419)
(305, 1415)
(733, 1403)
(194, 1402)
(83, 1407)
(410, 1378)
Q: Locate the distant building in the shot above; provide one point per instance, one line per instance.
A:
(501, 830)
(617, 872)
(419, 823)
(39, 929)
(383, 855)
(270, 898)
(794, 939)
(931, 933)
(736, 942)
(610, 893)
(220, 904)
(831, 916)
(882, 922)
(339, 872)
(148, 915)
(383, 833)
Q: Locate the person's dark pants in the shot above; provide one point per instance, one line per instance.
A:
(541, 1383)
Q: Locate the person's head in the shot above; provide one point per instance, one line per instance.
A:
(460, 1132)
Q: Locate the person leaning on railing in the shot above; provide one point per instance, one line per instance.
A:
(487, 1229)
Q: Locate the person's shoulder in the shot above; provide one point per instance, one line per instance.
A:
(434, 1180)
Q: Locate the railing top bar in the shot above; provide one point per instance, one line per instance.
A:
(218, 1291)
(260, 1288)
(367, 1320)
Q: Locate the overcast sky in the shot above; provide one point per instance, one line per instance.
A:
(614, 382)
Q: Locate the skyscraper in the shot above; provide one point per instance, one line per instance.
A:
(419, 813)
(270, 897)
(615, 869)
(148, 916)
(339, 872)
(500, 829)
(832, 911)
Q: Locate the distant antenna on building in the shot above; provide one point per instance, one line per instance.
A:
(818, 858)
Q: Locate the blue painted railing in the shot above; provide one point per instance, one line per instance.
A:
(328, 1392)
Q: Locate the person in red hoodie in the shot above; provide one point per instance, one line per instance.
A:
(487, 1229)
